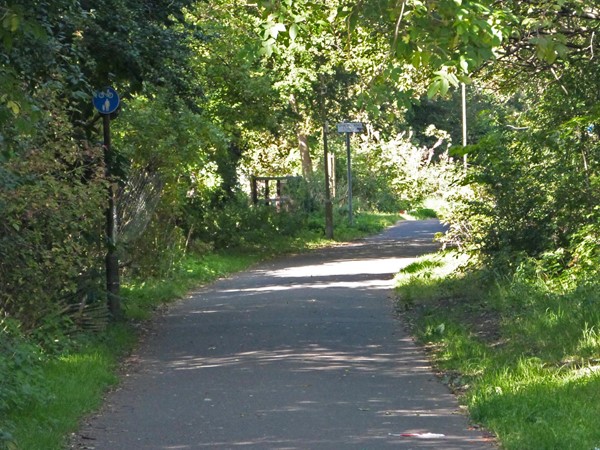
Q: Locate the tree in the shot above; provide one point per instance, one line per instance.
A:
(536, 173)
(51, 184)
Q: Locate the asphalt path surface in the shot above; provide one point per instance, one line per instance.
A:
(303, 352)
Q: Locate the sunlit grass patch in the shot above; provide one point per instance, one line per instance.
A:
(429, 209)
(533, 407)
(420, 214)
(428, 277)
(422, 265)
(75, 382)
(524, 357)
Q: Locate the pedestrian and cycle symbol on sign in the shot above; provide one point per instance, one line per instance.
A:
(106, 101)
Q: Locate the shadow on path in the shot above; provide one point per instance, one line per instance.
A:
(300, 353)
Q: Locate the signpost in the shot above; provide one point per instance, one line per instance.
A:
(349, 128)
(107, 102)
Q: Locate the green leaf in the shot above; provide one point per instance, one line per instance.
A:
(434, 88)
(268, 46)
(445, 86)
(293, 31)
(276, 29)
(14, 23)
(13, 106)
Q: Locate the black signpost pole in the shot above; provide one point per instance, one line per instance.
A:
(106, 102)
(113, 284)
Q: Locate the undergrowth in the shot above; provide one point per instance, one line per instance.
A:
(522, 353)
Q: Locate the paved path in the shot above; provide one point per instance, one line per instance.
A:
(299, 353)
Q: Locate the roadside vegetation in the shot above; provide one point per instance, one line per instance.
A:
(511, 314)
(216, 93)
(521, 351)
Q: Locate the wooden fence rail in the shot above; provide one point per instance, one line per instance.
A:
(256, 183)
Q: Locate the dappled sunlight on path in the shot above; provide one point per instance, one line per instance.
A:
(310, 358)
(299, 353)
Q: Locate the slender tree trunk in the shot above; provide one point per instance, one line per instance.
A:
(307, 168)
(586, 169)
(305, 158)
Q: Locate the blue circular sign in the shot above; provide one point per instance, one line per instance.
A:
(106, 101)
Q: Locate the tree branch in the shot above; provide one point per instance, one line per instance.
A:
(397, 30)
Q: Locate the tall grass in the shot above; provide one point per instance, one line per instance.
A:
(523, 355)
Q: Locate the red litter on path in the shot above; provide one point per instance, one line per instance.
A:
(420, 435)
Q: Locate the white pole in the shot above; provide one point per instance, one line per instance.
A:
(464, 120)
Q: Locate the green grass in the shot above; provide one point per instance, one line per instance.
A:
(524, 357)
(142, 297)
(531, 406)
(422, 214)
(75, 381)
(364, 224)
(429, 209)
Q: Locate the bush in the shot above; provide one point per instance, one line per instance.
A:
(237, 224)
(52, 198)
(399, 175)
(157, 251)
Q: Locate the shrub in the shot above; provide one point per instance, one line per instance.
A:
(53, 198)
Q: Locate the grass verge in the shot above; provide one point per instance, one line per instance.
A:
(74, 384)
(522, 355)
(75, 381)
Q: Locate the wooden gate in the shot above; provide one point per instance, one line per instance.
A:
(261, 189)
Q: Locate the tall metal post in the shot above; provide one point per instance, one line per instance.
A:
(328, 205)
(464, 121)
(332, 179)
(349, 178)
(106, 101)
(113, 284)
(349, 128)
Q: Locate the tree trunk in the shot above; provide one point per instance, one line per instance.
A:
(307, 168)
(305, 158)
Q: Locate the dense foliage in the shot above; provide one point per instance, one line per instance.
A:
(534, 175)
(215, 92)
